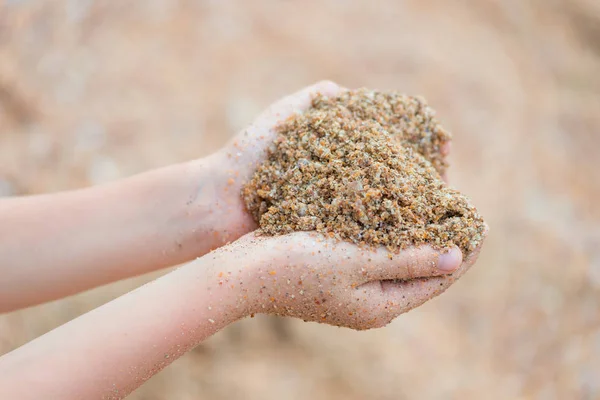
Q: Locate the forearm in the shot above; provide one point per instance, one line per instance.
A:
(55, 245)
(112, 350)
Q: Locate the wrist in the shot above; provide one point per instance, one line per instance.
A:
(215, 200)
(254, 267)
(205, 211)
(235, 276)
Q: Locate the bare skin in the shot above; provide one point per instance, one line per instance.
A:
(161, 218)
(98, 235)
(110, 351)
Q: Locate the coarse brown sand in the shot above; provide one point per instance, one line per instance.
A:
(408, 119)
(363, 167)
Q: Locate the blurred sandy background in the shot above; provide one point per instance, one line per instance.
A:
(91, 91)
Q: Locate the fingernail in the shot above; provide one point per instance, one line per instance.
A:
(450, 260)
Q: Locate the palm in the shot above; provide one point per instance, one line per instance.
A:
(307, 276)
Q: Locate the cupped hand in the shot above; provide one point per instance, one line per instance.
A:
(305, 275)
(308, 276)
(235, 163)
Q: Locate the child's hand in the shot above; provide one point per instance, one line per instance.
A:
(235, 163)
(306, 276)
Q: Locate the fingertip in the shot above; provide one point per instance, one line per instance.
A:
(327, 87)
(302, 99)
(446, 147)
(297, 102)
(445, 176)
(450, 260)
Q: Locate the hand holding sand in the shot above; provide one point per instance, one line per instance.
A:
(308, 276)
(358, 166)
(364, 167)
(362, 171)
(237, 161)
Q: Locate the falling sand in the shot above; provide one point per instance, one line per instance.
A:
(363, 167)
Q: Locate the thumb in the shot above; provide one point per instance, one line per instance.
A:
(295, 103)
(251, 142)
(419, 262)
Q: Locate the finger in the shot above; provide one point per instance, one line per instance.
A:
(411, 263)
(445, 149)
(445, 177)
(366, 264)
(295, 103)
(389, 299)
(400, 297)
(248, 147)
